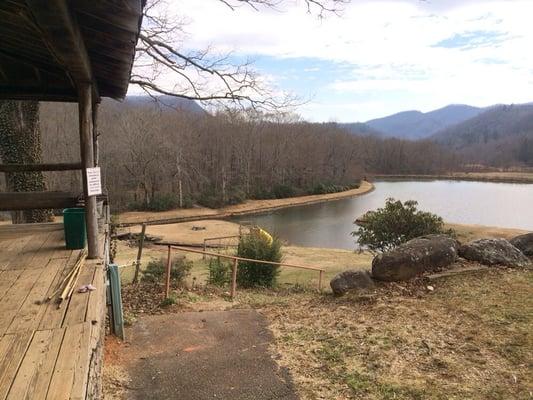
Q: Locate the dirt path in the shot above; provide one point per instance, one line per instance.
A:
(197, 356)
(248, 207)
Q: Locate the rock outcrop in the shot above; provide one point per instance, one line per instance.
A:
(493, 252)
(351, 280)
(524, 243)
(419, 255)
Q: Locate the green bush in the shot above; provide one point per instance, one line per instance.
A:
(322, 188)
(219, 272)
(210, 200)
(282, 191)
(252, 274)
(397, 223)
(155, 271)
(236, 196)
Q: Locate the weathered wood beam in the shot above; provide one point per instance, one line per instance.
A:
(14, 201)
(87, 159)
(62, 35)
(10, 168)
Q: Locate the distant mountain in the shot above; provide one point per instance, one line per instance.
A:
(418, 125)
(499, 122)
(165, 102)
(501, 135)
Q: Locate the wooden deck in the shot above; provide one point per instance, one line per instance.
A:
(47, 352)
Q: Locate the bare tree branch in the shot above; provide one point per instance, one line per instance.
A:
(164, 65)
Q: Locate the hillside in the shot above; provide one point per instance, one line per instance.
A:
(418, 125)
(360, 128)
(502, 135)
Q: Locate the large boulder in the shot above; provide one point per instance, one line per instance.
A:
(419, 255)
(349, 280)
(493, 252)
(524, 243)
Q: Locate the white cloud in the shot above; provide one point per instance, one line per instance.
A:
(391, 46)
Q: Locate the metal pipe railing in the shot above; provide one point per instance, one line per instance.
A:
(236, 260)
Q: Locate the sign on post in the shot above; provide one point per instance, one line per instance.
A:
(94, 181)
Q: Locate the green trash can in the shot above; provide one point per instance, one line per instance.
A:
(74, 225)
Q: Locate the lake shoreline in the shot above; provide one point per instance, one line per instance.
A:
(495, 177)
(249, 207)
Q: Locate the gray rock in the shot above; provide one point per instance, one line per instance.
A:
(524, 243)
(419, 255)
(493, 252)
(349, 280)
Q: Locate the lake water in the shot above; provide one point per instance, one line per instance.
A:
(329, 224)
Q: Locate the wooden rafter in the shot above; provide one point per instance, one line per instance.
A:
(62, 35)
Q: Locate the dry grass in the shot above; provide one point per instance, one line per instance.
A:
(470, 339)
(466, 233)
(526, 177)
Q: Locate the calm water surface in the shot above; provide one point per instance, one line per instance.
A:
(329, 224)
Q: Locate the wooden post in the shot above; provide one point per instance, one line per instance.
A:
(205, 249)
(234, 278)
(96, 147)
(320, 280)
(169, 265)
(87, 161)
(139, 254)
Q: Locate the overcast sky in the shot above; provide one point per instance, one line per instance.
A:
(379, 57)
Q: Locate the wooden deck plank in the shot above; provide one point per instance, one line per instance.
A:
(17, 230)
(39, 251)
(7, 279)
(45, 352)
(6, 245)
(77, 307)
(14, 250)
(31, 311)
(54, 247)
(96, 306)
(34, 375)
(53, 316)
(72, 365)
(12, 350)
(15, 297)
(81, 372)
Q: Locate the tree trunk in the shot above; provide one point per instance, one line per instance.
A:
(20, 143)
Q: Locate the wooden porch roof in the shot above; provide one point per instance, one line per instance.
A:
(48, 47)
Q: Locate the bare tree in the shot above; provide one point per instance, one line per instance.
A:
(203, 74)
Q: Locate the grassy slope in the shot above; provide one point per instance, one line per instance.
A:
(470, 338)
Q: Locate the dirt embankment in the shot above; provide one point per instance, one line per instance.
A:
(501, 177)
(248, 207)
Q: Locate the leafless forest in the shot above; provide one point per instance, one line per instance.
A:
(157, 158)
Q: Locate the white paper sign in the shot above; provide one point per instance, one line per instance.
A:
(94, 182)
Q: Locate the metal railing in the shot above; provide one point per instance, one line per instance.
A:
(235, 266)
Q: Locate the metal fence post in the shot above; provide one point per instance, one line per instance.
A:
(169, 265)
(234, 278)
